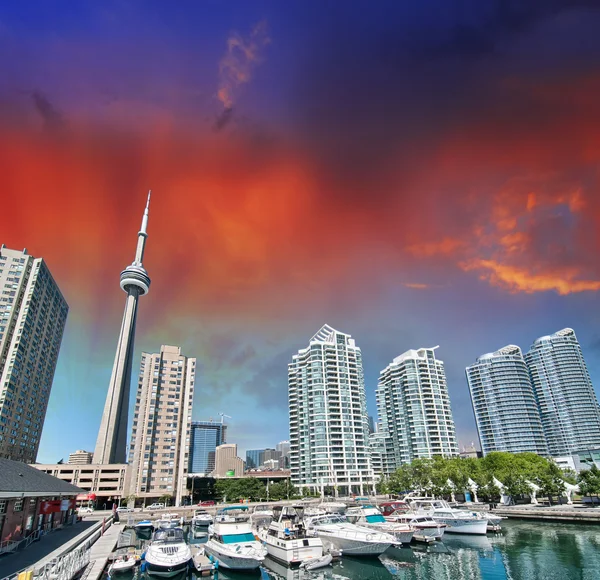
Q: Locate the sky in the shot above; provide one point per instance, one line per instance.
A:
(412, 173)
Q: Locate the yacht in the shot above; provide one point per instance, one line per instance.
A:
(370, 517)
(286, 539)
(168, 521)
(144, 525)
(167, 554)
(232, 543)
(457, 521)
(263, 510)
(426, 529)
(201, 518)
(337, 532)
(333, 507)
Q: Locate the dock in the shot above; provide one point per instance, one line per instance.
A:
(558, 513)
(100, 552)
(201, 563)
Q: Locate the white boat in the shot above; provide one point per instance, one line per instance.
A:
(286, 539)
(370, 517)
(263, 510)
(457, 521)
(201, 518)
(167, 554)
(426, 529)
(333, 507)
(123, 563)
(335, 530)
(232, 543)
(317, 563)
(144, 525)
(168, 521)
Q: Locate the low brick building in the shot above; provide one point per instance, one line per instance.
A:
(32, 500)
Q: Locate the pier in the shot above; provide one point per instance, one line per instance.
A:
(559, 513)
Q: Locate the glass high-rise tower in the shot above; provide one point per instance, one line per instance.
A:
(329, 425)
(206, 436)
(567, 402)
(506, 411)
(33, 314)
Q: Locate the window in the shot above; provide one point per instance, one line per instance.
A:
(18, 506)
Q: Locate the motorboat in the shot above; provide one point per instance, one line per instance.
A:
(168, 554)
(263, 510)
(337, 532)
(286, 539)
(317, 563)
(231, 541)
(201, 518)
(370, 517)
(168, 521)
(457, 521)
(124, 562)
(387, 508)
(493, 521)
(333, 507)
(426, 529)
(144, 525)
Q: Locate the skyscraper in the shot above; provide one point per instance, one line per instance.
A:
(565, 395)
(33, 314)
(254, 458)
(112, 437)
(227, 463)
(160, 438)
(284, 448)
(504, 404)
(414, 408)
(206, 436)
(329, 426)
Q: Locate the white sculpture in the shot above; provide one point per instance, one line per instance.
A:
(473, 487)
(569, 490)
(534, 489)
(505, 499)
(452, 489)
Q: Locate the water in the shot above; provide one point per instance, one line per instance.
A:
(522, 551)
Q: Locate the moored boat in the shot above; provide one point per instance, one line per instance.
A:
(457, 521)
(168, 554)
(370, 517)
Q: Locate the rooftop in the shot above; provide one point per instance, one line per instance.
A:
(17, 479)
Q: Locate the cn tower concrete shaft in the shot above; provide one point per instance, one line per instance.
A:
(112, 437)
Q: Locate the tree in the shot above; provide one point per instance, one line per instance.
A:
(130, 500)
(166, 498)
(589, 481)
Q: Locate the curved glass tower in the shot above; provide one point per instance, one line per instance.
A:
(504, 403)
(565, 394)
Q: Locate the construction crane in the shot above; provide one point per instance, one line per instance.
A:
(223, 417)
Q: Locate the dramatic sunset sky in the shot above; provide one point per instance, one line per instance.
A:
(412, 173)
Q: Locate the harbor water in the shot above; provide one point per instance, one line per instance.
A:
(524, 550)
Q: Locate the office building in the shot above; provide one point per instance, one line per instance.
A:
(112, 436)
(254, 458)
(160, 438)
(104, 483)
(414, 408)
(33, 314)
(567, 402)
(371, 424)
(271, 455)
(227, 463)
(284, 448)
(80, 457)
(329, 426)
(205, 437)
(506, 411)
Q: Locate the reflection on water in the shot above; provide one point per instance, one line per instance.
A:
(523, 551)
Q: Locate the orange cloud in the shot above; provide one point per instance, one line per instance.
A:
(516, 279)
(416, 285)
(237, 65)
(445, 247)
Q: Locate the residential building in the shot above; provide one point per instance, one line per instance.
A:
(284, 448)
(33, 313)
(380, 443)
(329, 426)
(205, 437)
(371, 424)
(80, 457)
(254, 458)
(506, 411)
(227, 463)
(579, 461)
(160, 438)
(105, 484)
(112, 436)
(414, 408)
(32, 501)
(567, 402)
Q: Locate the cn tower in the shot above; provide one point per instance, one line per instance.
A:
(112, 436)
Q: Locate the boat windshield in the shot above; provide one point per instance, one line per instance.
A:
(236, 538)
(330, 519)
(375, 519)
(172, 535)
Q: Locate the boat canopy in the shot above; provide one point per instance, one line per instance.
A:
(237, 538)
(234, 507)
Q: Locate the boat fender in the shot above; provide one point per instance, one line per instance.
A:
(216, 564)
(143, 566)
(369, 537)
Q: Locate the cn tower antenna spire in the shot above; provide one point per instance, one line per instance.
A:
(142, 234)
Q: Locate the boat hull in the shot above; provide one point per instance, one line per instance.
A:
(231, 562)
(165, 571)
(476, 527)
(354, 547)
(294, 552)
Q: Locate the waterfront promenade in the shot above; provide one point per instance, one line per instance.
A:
(556, 513)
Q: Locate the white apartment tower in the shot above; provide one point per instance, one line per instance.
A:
(414, 408)
(506, 411)
(160, 439)
(329, 428)
(568, 405)
(33, 314)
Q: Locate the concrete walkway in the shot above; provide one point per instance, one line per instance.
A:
(11, 563)
(100, 552)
